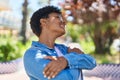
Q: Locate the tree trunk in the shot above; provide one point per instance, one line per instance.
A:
(98, 40)
(24, 21)
(103, 41)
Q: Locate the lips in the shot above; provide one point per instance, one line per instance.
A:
(62, 26)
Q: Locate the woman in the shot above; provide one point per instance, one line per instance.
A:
(47, 60)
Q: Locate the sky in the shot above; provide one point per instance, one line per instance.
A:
(16, 9)
(14, 16)
(16, 6)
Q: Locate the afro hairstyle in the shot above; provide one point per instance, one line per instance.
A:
(39, 14)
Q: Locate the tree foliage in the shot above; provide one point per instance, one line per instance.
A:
(100, 16)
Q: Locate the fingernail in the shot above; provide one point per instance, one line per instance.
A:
(53, 76)
(55, 58)
(48, 77)
(43, 72)
(44, 76)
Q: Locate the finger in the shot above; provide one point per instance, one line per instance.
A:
(48, 57)
(50, 72)
(54, 57)
(46, 68)
(51, 75)
(51, 57)
(46, 73)
(56, 72)
(49, 68)
(76, 50)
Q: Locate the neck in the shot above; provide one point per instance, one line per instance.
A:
(47, 40)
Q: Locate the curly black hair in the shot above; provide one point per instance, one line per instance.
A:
(39, 14)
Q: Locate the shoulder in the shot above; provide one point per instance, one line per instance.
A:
(33, 52)
(62, 47)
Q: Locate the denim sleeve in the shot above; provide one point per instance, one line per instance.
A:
(80, 61)
(35, 64)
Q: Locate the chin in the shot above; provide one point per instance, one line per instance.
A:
(61, 34)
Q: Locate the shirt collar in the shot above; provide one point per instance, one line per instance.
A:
(39, 44)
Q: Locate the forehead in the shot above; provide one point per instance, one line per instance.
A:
(54, 14)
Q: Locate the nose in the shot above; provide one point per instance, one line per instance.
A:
(62, 20)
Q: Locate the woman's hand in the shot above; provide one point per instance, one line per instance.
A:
(77, 50)
(55, 66)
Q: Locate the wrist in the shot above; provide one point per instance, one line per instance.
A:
(63, 59)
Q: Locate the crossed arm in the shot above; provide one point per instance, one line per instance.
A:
(52, 69)
(49, 67)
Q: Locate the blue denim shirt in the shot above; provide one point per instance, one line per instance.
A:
(35, 63)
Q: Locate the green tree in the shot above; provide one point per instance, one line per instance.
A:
(100, 16)
(24, 21)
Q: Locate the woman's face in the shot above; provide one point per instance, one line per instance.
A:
(56, 24)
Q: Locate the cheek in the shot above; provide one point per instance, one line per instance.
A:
(54, 21)
(53, 24)
(49, 24)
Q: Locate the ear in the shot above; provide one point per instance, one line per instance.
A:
(43, 22)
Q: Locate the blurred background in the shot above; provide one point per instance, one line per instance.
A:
(92, 25)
